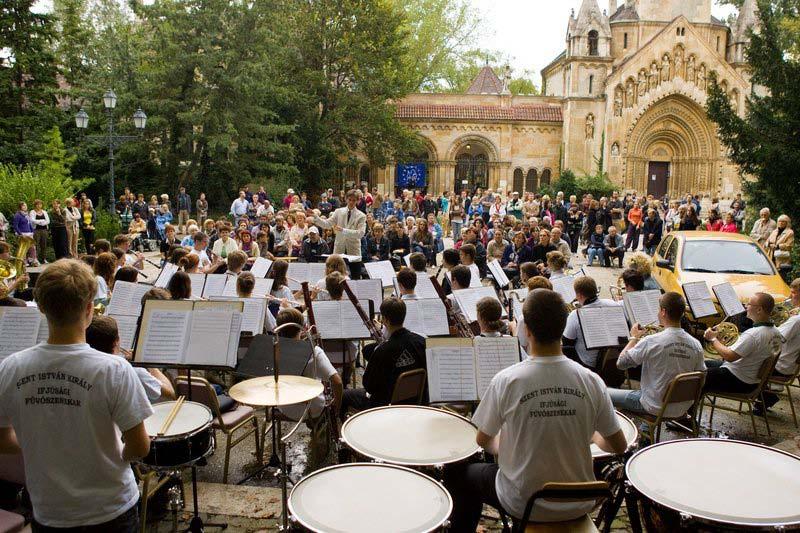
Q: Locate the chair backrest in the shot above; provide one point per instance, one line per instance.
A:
(409, 387)
(202, 392)
(589, 492)
(765, 371)
(686, 387)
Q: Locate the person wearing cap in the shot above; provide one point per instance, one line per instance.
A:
(514, 207)
(287, 200)
(313, 246)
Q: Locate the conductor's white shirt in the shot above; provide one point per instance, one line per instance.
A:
(354, 225)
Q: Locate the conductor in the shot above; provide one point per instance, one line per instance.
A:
(349, 224)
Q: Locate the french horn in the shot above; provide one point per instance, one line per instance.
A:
(727, 334)
(652, 329)
(782, 312)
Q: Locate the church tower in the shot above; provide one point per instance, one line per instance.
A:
(588, 50)
(740, 33)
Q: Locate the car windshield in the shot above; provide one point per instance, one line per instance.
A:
(732, 257)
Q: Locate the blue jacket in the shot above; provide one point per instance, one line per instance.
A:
(511, 255)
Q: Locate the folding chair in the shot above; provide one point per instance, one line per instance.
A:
(589, 492)
(687, 387)
(786, 384)
(749, 398)
(229, 422)
(409, 387)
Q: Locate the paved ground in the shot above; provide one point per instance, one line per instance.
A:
(256, 506)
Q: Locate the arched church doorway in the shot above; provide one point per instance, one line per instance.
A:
(472, 165)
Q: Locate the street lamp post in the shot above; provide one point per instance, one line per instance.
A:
(113, 140)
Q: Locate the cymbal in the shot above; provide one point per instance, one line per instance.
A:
(264, 391)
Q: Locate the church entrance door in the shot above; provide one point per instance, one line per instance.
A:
(657, 177)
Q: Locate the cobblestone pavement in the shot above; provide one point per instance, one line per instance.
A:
(256, 506)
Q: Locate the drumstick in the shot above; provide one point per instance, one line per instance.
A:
(172, 414)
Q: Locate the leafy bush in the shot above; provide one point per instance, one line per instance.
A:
(106, 225)
(597, 185)
(24, 184)
(567, 183)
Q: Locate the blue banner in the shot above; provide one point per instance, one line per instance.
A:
(412, 176)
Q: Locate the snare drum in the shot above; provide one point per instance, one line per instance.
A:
(369, 497)
(189, 438)
(411, 435)
(716, 485)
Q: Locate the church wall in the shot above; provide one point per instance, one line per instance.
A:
(580, 145)
(666, 10)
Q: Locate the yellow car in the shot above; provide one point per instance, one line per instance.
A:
(716, 257)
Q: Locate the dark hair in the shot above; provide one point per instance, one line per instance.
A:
(176, 254)
(121, 239)
(766, 301)
(101, 245)
(674, 304)
(200, 237)
(156, 293)
(529, 269)
(491, 312)
(278, 274)
(245, 283)
(462, 275)
(289, 315)
(407, 279)
(127, 273)
(104, 267)
(633, 278)
(119, 253)
(469, 250)
(451, 257)
(334, 284)
(180, 286)
(585, 286)
(102, 334)
(545, 315)
(394, 311)
(418, 262)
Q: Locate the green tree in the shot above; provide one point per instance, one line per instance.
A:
(54, 159)
(765, 143)
(74, 40)
(523, 84)
(27, 79)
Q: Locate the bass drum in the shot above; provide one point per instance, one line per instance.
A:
(712, 485)
(188, 439)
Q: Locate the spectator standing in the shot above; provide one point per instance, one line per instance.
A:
(653, 230)
(240, 206)
(72, 218)
(729, 226)
(184, 203)
(58, 229)
(763, 227)
(781, 241)
(87, 222)
(41, 227)
(23, 228)
(635, 216)
(202, 209)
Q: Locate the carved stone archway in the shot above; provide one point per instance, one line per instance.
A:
(677, 131)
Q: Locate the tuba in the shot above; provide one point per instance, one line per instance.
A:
(618, 290)
(25, 244)
(727, 334)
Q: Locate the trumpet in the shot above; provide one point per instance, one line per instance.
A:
(727, 334)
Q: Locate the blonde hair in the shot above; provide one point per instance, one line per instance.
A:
(63, 291)
(556, 260)
(335, 263)
(539, 282)
(640, 262)
(787, 219)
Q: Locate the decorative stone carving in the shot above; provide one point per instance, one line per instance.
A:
(618, 102)
(615, 149)
(701, 77)
(690, 69)
(678, 63)
(653, 75)
(734, 97)
(665, 64)
(630, 94)
(642, 83)
(590, 126)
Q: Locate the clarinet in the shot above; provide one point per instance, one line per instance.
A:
(307, 298)
(374, 332)
(458, 322)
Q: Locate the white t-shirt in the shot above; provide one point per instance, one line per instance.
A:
(548, 408)
(68, 405)
(102, 288)
(662, 357)
(283, 292)
(203, 255)
(152, 387)
(754, 346)
(790, 331)
(324, 372)
(573, 332)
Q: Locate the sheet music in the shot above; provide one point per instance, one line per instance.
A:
(300, 272)
(415, 317)
(642, 307)
(451, 370)
(165, 336)
(215, 285)
(198, 285)
(467, 300)
(230, 287)
(728, 299)
(253, 314)
(261, 267)
(602, 327)
(263, 287)
(424, 288)
(165, 275)
(492, 355)
(233, 340)
(382, 270)
(368, 289)
(122, 299)
(126, 324)
(498, 274)
(565, 287)
(352, 326)
(700, 300)
(346, 257)
(474, 279)
(209, 338)
(19, 327)
(338, 319)
(407, 260)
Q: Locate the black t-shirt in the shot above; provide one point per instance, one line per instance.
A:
(402, 352)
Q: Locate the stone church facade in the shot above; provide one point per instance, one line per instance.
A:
(630, 87)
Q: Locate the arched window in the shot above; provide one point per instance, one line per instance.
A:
(591, 84)
(363, 176)
(519, 184)
(546, 176)
(532, 181)
(594, 40)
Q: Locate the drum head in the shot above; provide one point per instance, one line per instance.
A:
(411, 435)
(365, 497)
(191, 417)
(631, 436)
(722, 481)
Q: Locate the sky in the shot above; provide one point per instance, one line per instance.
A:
(532, 32)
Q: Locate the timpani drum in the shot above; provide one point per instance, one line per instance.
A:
(369, 497)
(602, 458)
(188, 439)
(716, 485)
(411, 435)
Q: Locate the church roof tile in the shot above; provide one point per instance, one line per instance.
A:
(486, 82)
(522, 113)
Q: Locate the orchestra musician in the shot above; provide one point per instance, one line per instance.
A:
(586, 294)
(661, 356)
(538, 417)
(400, 352)
(136, 260)
(418, 262)
(490, 317)
(64, 407)
(460, 277)
(236, 262)
(450, 260)
(790, 331)
(518, 325)
(245, 284)
(11, 284)
(407, 282)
